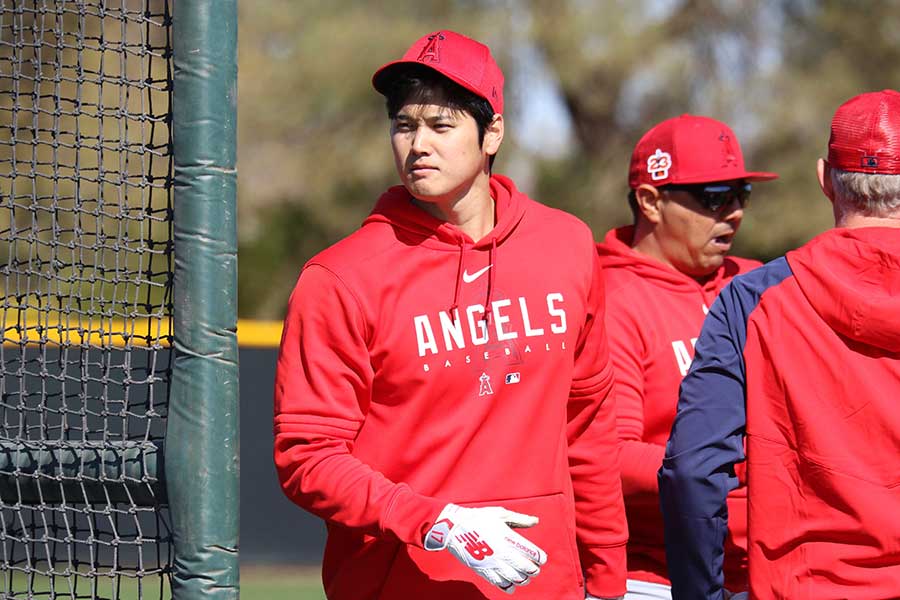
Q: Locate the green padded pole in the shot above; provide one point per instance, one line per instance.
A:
(201, 450)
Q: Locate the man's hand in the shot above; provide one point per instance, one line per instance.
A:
(482, 540)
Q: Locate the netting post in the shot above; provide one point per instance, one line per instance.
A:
(202, 449)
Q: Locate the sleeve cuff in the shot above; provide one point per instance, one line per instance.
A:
(410, 515)
(605, 571)
(640, 462)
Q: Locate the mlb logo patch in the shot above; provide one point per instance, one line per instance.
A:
(870, 162)
(513, 378)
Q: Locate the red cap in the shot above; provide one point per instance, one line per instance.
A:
(689, 149)
(461, 59)
(865, 134)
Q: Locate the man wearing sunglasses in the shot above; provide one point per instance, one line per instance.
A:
(688, 192)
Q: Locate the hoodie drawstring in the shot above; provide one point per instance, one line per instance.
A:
(492, 268)
(459, 270)
(490, 288)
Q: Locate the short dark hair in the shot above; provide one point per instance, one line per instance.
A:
(633, 205)
(419, 84)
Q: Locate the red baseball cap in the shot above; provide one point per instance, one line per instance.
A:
(689, 149)
(865, 134)
(460, 59)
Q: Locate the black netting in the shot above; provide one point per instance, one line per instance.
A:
(86, 273)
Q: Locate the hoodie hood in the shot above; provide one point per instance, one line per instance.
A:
(616, 253)
(415, 226)
(395, 207)
(851, 278)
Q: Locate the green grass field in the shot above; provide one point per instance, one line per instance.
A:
(16, 584)
(275, 583)
(257, 583)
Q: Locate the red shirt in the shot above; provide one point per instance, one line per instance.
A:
(418, 367)
(654, 315)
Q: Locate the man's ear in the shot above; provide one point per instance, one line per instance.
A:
(648, 200)
(823, 170)
(493, 135)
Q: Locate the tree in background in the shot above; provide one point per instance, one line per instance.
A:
(313, 145)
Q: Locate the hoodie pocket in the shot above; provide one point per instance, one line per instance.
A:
(439, 575)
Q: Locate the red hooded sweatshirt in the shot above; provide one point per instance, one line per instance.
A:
(418, 367)
(653, 317)
(801, 356)
(823, 439)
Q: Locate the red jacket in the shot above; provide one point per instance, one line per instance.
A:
(419, 368)
(803, 357)
(653, 317)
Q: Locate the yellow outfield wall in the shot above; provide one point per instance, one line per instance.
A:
(79, 329)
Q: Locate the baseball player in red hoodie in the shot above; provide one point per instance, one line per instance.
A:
(800, 359)
(442, 384)
(689, 189)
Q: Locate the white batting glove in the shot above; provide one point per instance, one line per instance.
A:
(481, 539)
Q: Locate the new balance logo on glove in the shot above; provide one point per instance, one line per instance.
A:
(482, 539)
(477, 548)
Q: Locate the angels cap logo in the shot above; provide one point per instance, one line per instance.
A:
(658, 164)
(728, 154)
(432, 50)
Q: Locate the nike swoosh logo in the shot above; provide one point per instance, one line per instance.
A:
(470, 278)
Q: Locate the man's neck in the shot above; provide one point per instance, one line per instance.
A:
(646, 243)
(472, 213)
(854, 220)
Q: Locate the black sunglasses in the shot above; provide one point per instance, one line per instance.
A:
(714, 196)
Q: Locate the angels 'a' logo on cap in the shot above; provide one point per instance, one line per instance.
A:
(658, 164)
(432, 50)
(728, 154)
